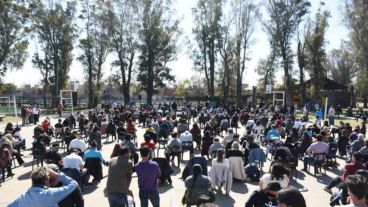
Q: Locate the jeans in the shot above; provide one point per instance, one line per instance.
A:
(331, 119)
(307, 160)
(117, 199)
(153, 196)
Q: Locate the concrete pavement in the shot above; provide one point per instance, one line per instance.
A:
(310, 186)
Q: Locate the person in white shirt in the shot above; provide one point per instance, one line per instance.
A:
(73, 161)
(331, 115)
(220, 159)
(257, 128)
(36, 114)
(78, 143)
(186, 137)
(298, 123)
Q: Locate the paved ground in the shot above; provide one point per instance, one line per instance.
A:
(310, 186)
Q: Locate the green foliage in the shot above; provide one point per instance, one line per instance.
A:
(94, 46)
(341, 64)
(158, 33)
(54, 25)
(207, 16)
(356, 17)
(121, 20)
(285, 17)
(315, 51)
(7, 88)
(14, 18)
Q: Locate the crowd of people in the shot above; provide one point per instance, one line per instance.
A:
(224, 154)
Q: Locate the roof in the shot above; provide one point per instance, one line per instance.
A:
(329, 84)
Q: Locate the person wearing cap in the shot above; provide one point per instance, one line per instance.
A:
(265, 197)
(40, 195)
(74, 199)
(53, 156)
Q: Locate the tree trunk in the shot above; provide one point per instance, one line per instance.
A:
(302, 87)
(90, 84)
(287, 79)
(150, 80)
(238, 69)
(45, 93)
(212, 68)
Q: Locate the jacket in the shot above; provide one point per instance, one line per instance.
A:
(257, 154)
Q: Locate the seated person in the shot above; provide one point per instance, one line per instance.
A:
(148, 142)
(94, 168)
(273, 134)
(174, 142)
(282, 154)
(59, 128)
(78, 143)
(196, 185)
(349, 169)
(128, 143)
(215, 147)
(53, 156)
(234, 151)
(74, 161)
(278, 173)
(318, 147)
(265, 197)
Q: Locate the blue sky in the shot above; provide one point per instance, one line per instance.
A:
(182, 67)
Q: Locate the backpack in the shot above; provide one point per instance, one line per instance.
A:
(252, 172)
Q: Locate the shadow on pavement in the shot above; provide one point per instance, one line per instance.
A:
(25, 176)
(164, 188)
(239, 187)
(90, 188)
(224, 200)
(298, 186)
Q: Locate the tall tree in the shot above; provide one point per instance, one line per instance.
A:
(158, 33)
(54, 25)
(94, 46)
(122, 23)
(341, 64)
(266, 69)
(44, 65)
(303, 36)
(285, 16)
(207, 16)
(245, 13)
(316, 51)
(14, 18)
(226, 51)
(356, 16)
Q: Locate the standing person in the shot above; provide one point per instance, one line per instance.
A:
(36, 114)
(331, 115)
(148, 171)
(59, 109)
(24, 114)
(119, 178)
(40, 195)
